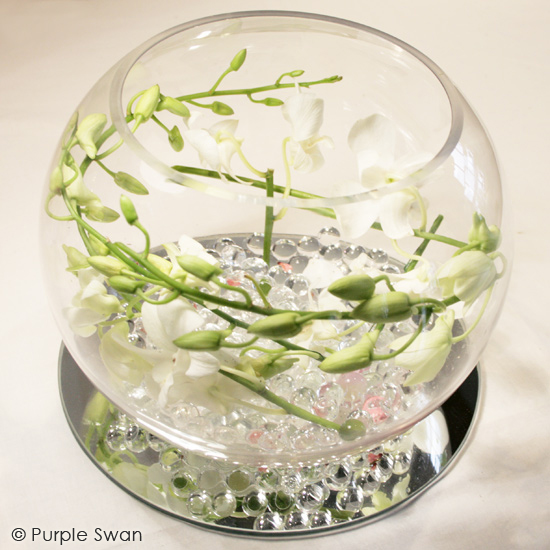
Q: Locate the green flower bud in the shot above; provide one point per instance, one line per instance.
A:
(198, 267)
(56, 180)
(125, 284)
(130, 184)
(352, 429)
(202, 340)
(272, 102)
(99, 248)
(267, 365)
(106, 265)
(175, 139)
(89, 131)
(280, 325)
(296, 73)
(147, 104)
(99, 213)
(173, 106)
(75, 259)
(128, 210)
(220, 108)
(353, 287)
(238, 60)
(353, 358)
(160, 263)
(488, 238)
(384, 308)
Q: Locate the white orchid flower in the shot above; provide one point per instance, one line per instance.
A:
(304, 112)
(426, 356)
(92, 304)
(466, 276)
(172, 374)
(216, 145)
(373, 140)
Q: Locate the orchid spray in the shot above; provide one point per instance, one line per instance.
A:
(164, 288)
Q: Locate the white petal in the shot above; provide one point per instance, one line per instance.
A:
(407, 165)
(304, 111)
(394, 214)
(224, 126)
(83, 321)
(96, 298)
(357, 218)
(202, 364)
(188, 245)
(375, 133)
(164, 323)
(320, 273)
(206, 146)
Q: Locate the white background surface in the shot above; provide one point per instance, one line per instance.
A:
(496, 51)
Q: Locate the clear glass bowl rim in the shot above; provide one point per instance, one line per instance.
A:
(119, 120)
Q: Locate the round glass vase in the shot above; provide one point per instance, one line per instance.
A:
(275, 239)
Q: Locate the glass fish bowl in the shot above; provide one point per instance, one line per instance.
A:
(275, 241)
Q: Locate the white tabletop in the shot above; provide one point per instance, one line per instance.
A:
(498, 494)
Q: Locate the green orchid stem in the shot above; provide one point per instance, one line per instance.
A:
(283, 343)
(413, 337)
(241, 291)
(411, 264)
(386, 279)
(327, 212)
(164, 127)
(464, 335)
(439, 304)
(170, 298)
(263, 410)
(99, 163)
(246, 91)
(236, 345)
(145, 252)
(259, 290)
(259, 388)
(269, 219)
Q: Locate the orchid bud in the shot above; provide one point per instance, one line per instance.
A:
(75, 259)
(130, 184)
(488, 238)
(273, 102)
(198, 267)
(89, 131)
(352, 429)
(106, 265)
(220, 108)
(280, 325)
(160, 263)
(238, 60)
(128, 210)
(99, 248)
(384, 308)
(202, 340)
(296, 73)
(125, 284)
(268, 365)
(353, 287)
(353, 358)
(99, 213)
(147, 104)
(175, 139)
(56, 180)
(173, 106)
